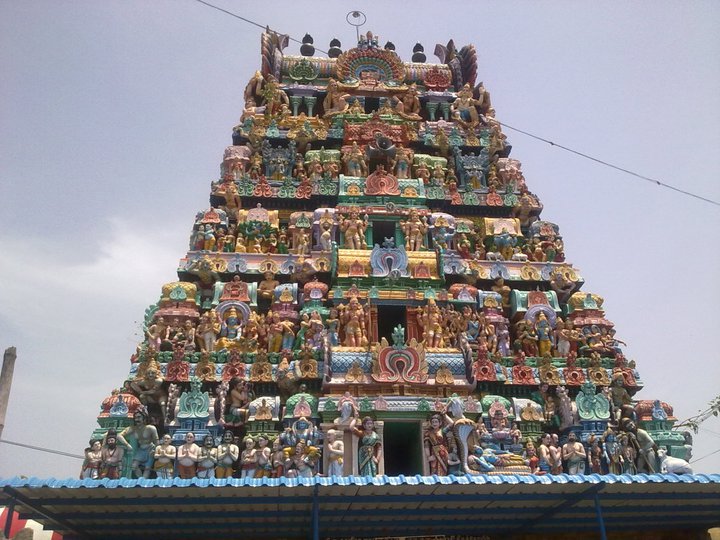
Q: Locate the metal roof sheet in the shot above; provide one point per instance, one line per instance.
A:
(365, 506)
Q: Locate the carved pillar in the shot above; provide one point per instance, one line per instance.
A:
(432, 109)
(445, 108)
(372, 331)
(412, 323)
(369, 234)
(295, 102)
(310, 103)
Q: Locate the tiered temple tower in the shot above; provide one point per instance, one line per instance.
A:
(372, 290)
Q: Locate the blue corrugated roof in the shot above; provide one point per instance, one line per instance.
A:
(18, 482)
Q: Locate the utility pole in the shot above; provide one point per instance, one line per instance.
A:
(6, 376)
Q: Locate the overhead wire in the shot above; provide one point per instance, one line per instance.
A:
(264, 27)
(703, 457)
(607, 164)
(42, 449)
(655, 181)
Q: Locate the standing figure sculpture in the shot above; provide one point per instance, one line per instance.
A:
(165, 453)
(145, 440)
(644, 444)
(248, 459)
(414, 229)
(352, 318)
(353, 229)
(112, 456)
(431, 322)
(336, 452)
(354, 160)
(369, 448)
(226, 454)
(573, 453)
(93, 460)
(207, 459)
(437, 445)
(188, 454)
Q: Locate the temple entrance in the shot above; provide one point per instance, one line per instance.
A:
(388, 318)
(402, 448)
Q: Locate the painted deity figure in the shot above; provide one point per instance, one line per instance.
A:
(422, 172)
(644, 445)
(274, 332)
(354, 160)
(326, 237)
(530, 455)
(188, 454)
(248, 458)
(410, 101)
(353, 229)
(207, 331)
(165, 453)
(336, 452)
(436, 441)
(335, 101)
(226, 454)
(464, 108)
(543, 331)
(612, 452)
(277, 459)
(353, 319)
(431, 322)
(239, 398)
(369, 448)
(544, 457)
(288, 334)
(111, 456)
(332, 329)
(573, 453)
(403, 162)
(263, 455)
(145, 439)
(156, 333)
(266, 288)
(595, 457)
(414, 229)
(93, 460)
(207, 458)
(562, 338)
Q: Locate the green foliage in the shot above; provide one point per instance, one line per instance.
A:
(694, 421)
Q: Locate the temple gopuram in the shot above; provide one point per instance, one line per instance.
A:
(372, 291)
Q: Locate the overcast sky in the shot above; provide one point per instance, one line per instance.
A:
(114, 116)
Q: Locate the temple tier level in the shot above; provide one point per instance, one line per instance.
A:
(372, 291)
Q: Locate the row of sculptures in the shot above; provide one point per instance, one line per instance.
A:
(352, 161)
(452, 444)
(350, 232)
(264, 95)
(347, 324)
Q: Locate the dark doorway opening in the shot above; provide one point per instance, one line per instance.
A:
(402, 448)
(388, 318)
(371, 104)
(382, 230)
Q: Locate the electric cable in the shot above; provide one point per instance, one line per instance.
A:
(42, 449)
(607, 164)
(254, 23)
